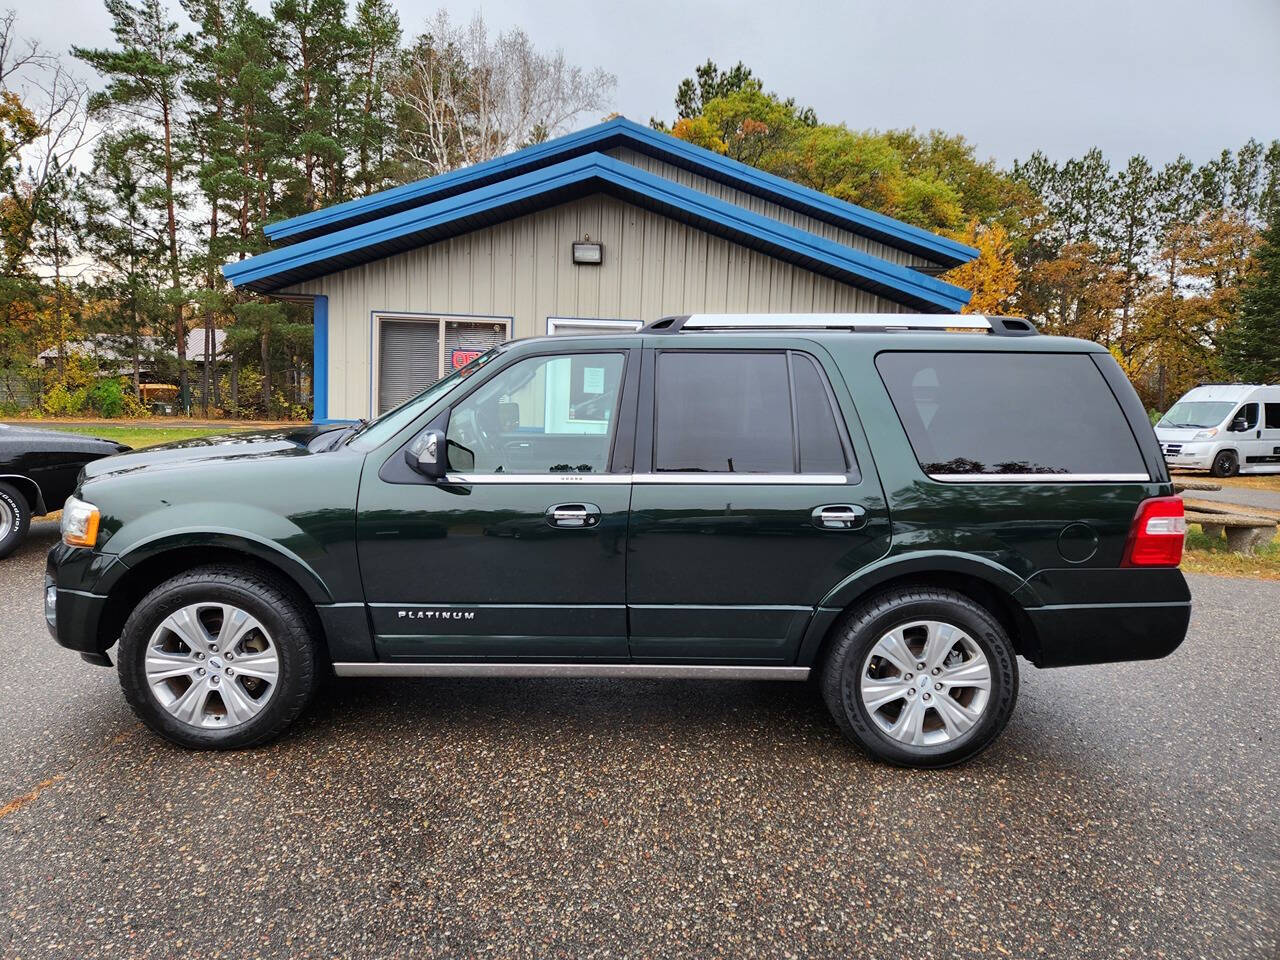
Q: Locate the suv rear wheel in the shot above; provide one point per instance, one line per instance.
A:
(921, 676)
(218, 658)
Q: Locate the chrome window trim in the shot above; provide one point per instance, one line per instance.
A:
(768, 479)
(630, 671)
(558, 479)
(563, 479)
(1040, 477)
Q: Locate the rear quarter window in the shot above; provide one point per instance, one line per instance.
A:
(981, 414)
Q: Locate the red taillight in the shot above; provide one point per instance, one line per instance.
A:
(1155, 539)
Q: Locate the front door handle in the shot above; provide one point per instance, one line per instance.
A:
(839, 516)
(573, 515)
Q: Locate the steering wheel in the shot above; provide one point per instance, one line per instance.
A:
(469, 428)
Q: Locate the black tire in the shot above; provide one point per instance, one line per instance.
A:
(863, 627)
(18, 512)
(1225, 464)
(288, 622)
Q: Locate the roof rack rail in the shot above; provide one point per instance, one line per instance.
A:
(854, 322)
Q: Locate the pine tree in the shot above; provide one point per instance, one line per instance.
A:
(376, 42)
(125, 234)
(144, 75)
(211, 137)
(1251, 346)
(1133, 197)
(315, 41)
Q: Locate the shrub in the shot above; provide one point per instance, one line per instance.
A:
(114, 397)
(58, 401)
(106, 398)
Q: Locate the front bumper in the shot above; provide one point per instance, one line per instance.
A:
(1189, 456)
(72, 609)
(1104, 616)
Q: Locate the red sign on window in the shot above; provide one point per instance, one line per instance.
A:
(460, 358)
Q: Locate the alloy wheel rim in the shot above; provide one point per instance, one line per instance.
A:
(7, 520)
(212, 665)
(925, 683)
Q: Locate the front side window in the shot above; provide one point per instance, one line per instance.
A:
(1010, 413)
(1249, 414)
(745, 412)
(541, 415)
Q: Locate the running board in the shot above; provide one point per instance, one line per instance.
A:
(635, 671)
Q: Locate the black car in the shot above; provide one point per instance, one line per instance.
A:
(898, 506)
(38, 470)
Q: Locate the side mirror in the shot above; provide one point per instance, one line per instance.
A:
(426, 454)
(1239, 425)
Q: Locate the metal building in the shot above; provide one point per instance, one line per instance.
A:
(603, 229)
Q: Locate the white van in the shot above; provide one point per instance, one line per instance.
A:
(1223, 428)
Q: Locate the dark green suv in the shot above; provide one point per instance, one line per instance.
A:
(896, 506)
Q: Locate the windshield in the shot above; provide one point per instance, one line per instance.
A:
(1200, 413)
(377, 431)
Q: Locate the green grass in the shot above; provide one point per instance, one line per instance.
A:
(1203, 555)
(140, 435)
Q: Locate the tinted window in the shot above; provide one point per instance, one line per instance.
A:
(728, 412)
(541, 415)
(818, 435)
(723, 413)
(1273, 416)
(1009, 413)
(1249, 414)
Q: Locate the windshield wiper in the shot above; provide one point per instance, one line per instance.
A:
(353, 431)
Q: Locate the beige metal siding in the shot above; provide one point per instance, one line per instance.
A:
(523, 269)
(768, 208)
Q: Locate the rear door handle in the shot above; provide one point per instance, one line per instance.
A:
(573, 515)
(839, 516)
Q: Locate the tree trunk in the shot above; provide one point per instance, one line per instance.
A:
(266, 373)
(175, 267)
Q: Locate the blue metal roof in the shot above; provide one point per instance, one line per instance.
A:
(581, 176)
(623, 132)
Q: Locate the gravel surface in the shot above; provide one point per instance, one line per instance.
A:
(1128, 811)
(1241, 496)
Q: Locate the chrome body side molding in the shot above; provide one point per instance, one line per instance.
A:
(1040, 477)
(634, 671)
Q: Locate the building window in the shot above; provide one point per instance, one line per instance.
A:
(414, 351)
(559, 326)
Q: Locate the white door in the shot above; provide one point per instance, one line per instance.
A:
(1244, 432)
(1270, 447)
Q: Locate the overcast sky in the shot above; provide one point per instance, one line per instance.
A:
(1153, 76)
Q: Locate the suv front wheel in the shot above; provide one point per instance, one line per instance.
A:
(218, 658)
(921, 676)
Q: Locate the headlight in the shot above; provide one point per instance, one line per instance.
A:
(1206, 434)
(79, 523)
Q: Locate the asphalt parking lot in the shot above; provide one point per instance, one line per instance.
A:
(1128, 811)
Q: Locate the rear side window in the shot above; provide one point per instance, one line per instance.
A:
(817, 434)
(1010, 413)
(1273, 416)
(757, 412)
